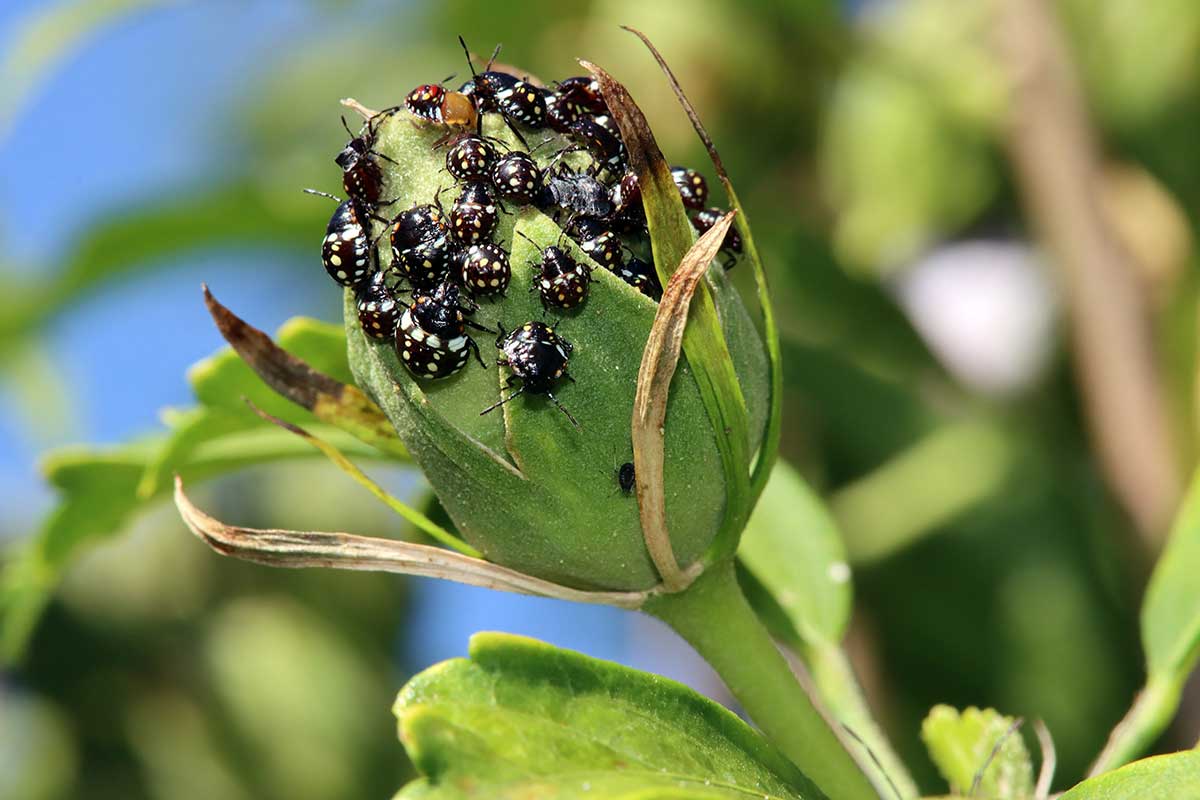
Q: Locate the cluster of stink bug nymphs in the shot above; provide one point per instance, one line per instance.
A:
(444, 262)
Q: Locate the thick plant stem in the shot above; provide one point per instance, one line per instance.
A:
(1145, 721)
(714, 617)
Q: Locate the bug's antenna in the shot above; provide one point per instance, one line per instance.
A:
(323, 194)
(504, 400)
(492, 60)
(526, 238)
(470, 63)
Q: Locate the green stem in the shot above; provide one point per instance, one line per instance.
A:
(714, 617)
(834, 682)
(1145, 721)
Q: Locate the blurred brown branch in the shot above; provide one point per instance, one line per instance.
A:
(1054, 154)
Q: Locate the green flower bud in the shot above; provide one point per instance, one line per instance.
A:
(522, 484)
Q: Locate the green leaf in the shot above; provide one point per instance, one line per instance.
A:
(522, 718)
(98, 496)
(1171, 608)
(962, 745)
(1175, 776)
(792, 546)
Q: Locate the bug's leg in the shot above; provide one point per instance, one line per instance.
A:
(502, 401)
(475, 349)
(562, 408)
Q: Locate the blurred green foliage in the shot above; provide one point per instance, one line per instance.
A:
(992, 567)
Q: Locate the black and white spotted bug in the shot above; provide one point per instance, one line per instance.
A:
(517, 177)
(731, 246)
(431, 338)
(484, 269)
(474, 214)
(537, 357)
(378, 309)
(692, 187)
(584, 93)
(640, 275)
(605, 146)
(601, 244)
(561, 280)
(362, 177)
(421, 247)
(346, 248)
(470, 158)
(628, 214)
(512, 97)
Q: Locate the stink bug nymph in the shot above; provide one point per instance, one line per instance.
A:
(432, 339)
(474, 214)
(485, 269)
(517, 177)
(378, 308)
(692, 187)
(626, 478)
(346, 248)
(470, 158)
(560, 279)
(537, 357)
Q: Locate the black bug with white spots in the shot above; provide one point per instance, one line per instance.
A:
(421, 246)
(431, 338)
(378, 309)
(732, 244)
(346, 249)
(693, 189)
(601, 244)
(517, 177)
(474, 214)
(583, 93)
(470, 158)
(512, 97)
(561, 281)
(640, 275)
(604, 146)
(485, 269)
(537, 357)
(362, 177)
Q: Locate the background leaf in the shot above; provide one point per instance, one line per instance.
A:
(961, 743)
(519, 714)
(1176, 776)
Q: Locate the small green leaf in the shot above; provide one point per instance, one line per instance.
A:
(1175, 776)
(1171, 608)
(98, 491)
(979, 752)
(521, 716)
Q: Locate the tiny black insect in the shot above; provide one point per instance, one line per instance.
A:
(561, 112)
(378, 308)
(432, 338)
(626, 478)
(517, 177)
(731, 246)
(537, 357)
(692, 187)
(421, 247)
(640, 275)
(560, 279)
(470, 158)
(485, 269)
(600, 243)
(346, 248)
(474, 214)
